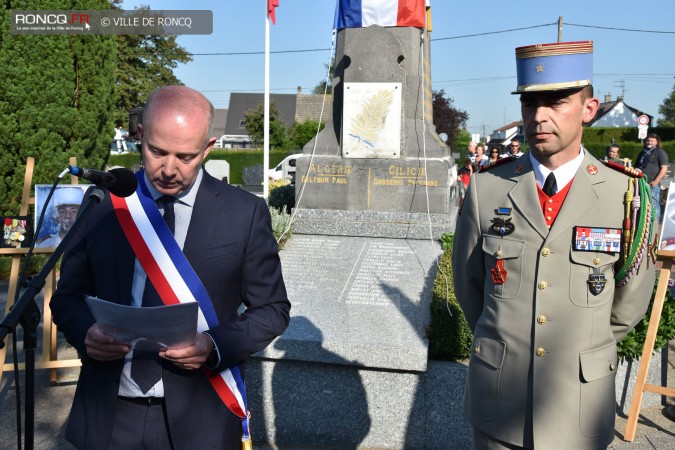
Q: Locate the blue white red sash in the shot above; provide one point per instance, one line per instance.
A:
(176, 282)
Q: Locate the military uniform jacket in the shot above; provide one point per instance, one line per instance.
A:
(543, 362)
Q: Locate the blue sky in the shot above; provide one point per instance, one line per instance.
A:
(472, 53)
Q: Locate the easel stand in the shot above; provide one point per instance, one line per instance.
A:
(49, 337)
(27, 313)
(641, 385)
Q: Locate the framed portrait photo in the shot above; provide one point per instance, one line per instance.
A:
(60, 213)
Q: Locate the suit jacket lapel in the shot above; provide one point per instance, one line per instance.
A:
(525, 199)
(203, 221)
(581, 198)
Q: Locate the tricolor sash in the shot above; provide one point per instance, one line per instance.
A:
(176, 282)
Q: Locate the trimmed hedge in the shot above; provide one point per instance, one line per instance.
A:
(238, 159)
(448, 332)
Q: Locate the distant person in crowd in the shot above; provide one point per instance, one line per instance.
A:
(66, 206)
(653, 162)
(471, 151)
(121, 142)
(494, 154)
(543, 303)
(464, 178)
(613, 153)
(481, 158)
(514, 149)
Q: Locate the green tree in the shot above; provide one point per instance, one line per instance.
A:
(144, 63)
(667, 109)
(326, 85)
(254, 122)
(303, 132)
(447, 118)
(56, 100)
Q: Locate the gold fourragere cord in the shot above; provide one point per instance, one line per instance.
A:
(638, 237)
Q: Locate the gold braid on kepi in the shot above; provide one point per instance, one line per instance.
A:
(638, 237)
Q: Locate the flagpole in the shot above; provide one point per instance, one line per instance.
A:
(266, 125)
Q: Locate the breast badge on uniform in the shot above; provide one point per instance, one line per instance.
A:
(502, 226)
(498, 272)
(596, 282)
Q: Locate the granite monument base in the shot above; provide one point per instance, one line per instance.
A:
(315, 405)
(351, 369)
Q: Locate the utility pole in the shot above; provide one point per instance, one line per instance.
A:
(622, 85)
(560, 26)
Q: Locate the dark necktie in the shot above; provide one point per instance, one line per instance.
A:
(146, 366)
(550, 186)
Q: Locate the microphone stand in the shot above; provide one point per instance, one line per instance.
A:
(26, 313)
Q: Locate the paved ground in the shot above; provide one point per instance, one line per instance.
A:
(655, 430)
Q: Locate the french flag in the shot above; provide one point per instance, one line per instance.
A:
(385, 13)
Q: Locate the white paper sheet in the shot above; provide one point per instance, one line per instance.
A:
(151, 328)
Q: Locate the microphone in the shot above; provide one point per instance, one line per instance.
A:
(119, 181)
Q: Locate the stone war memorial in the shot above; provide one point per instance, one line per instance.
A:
(372, 199)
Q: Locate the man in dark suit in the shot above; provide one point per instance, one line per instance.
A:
(225, 235)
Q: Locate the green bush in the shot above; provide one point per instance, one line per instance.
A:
(281, 225)
(36, 263)
(596, 141)
(448, 332)
(283, 198)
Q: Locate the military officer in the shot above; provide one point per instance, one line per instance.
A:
(547, 303)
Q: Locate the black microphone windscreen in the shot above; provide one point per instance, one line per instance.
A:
(126, 182)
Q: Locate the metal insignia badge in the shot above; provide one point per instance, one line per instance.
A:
(503, 227)
(520, 168)
(592, 169)
(596, 283)
(498, 272)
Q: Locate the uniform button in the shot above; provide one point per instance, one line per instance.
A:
(549, 209)
(596, 261)
(545, 252)
(550, 200)
(498, 253)
(548, 217)
(540, 352)
(542, 285)
(541, 320)
(476, 349)
(612, 367)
